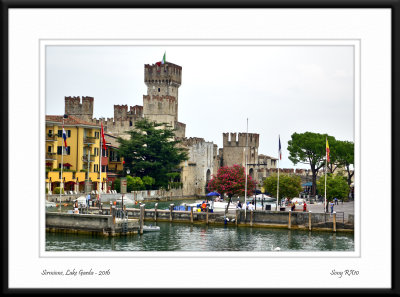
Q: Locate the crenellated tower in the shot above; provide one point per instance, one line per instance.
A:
(84, 110)
(161, 102)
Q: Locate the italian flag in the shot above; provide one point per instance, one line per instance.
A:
(162, 61)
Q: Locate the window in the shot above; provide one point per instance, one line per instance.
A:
(49, 149)
(68, 132)
(104, 168)
(130, 123)
(97, 135)
(96, 168)
(96, 151)
(67, 151)
(159, 90)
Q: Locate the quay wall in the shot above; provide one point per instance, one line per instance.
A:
(275, 218)
(97, 223)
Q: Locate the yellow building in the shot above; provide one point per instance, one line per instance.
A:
(81, 158)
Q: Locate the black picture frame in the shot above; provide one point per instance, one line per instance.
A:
(331, 4)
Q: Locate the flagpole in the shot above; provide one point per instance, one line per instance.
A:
(277, 187)
(62, 161)
(245, 168)
(326, 167)
(101, 154)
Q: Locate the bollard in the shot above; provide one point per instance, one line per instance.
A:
(171, 208)
(141, 218)
(191, 214)
(236, 217)
(207, 215)
(251, 218)
(289, 220)
(334, 221)
(309, 220)
(155, 211)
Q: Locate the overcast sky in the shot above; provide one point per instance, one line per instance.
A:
(280, 89)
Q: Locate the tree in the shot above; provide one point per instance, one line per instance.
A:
(231, 181)
(309, 148)
(134, 183)
(289, 185)
(148, 182)
(152, 151)
(336, 186)
(345, 157)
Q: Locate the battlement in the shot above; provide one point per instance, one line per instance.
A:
(84, 110)
(121, 112)
(167, 73)
(191, 141)
(239, 140)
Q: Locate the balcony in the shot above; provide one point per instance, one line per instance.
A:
(89, 140)
(86, 158)
(51, 137)
(51, 156)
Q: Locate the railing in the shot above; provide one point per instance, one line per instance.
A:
(86, 158)
(51, 137)
(51, 156)
(89, 140)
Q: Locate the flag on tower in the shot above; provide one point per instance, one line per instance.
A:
(102, 137)
(64, 136)
(327, 151)
(280, 149)
(162, 61)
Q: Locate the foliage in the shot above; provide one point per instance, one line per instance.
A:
(134, 184)
(345, 158)
(309, 148)
(175, 185)
(47, 190)
(289, 185)
(57, 190)
(117, 185)
(231, 181)
(152, 151)
(148, 182)
(336, 186)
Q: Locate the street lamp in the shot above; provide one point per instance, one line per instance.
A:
(128, 171)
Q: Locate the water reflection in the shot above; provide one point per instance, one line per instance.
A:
(187, 237)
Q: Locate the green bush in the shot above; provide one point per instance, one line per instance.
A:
(175, 185)
(57, 190)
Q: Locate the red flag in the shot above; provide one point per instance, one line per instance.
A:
(102, 137)
(327, 151)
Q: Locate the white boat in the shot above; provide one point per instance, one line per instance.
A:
(50, 204)
(262, 197)
(81, 201)
(151, 228)
(126, 201)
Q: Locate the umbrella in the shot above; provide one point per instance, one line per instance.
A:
(213, 194)
(257, 191)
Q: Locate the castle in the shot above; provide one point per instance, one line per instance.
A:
(161, 105)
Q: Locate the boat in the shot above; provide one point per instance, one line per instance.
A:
(151, 228)
(81, 201)
(50, 204)
(127, 201)
(262, 197)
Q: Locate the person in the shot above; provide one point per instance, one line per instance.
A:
(336, 201)
(76, 209)
(251, 206)
(331, 205)
(239, 205)
(293, 206)
(305, 206)
(87, 200)
(203, 206)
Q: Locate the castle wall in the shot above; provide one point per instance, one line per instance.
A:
(84, 110)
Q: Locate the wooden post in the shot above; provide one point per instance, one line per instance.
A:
(251, 218)
(186, 207)
(334, 221)
(155, 211)
(289, 220)
(236, 217)
(113, 214)
(141, 218)
(309, 220)
(191, 214)
(171, 208)
(207, 215)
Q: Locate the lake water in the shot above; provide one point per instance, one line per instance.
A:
(187, 237)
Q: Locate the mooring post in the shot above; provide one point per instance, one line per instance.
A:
(191, 214)
(207, 215)
(309, 220)
(141, 218)
(289, 220)
(251, 218)
(155, 211)
(113, 214)
(334, 221)
(171, 208)
(186, 207)
(236, 217)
